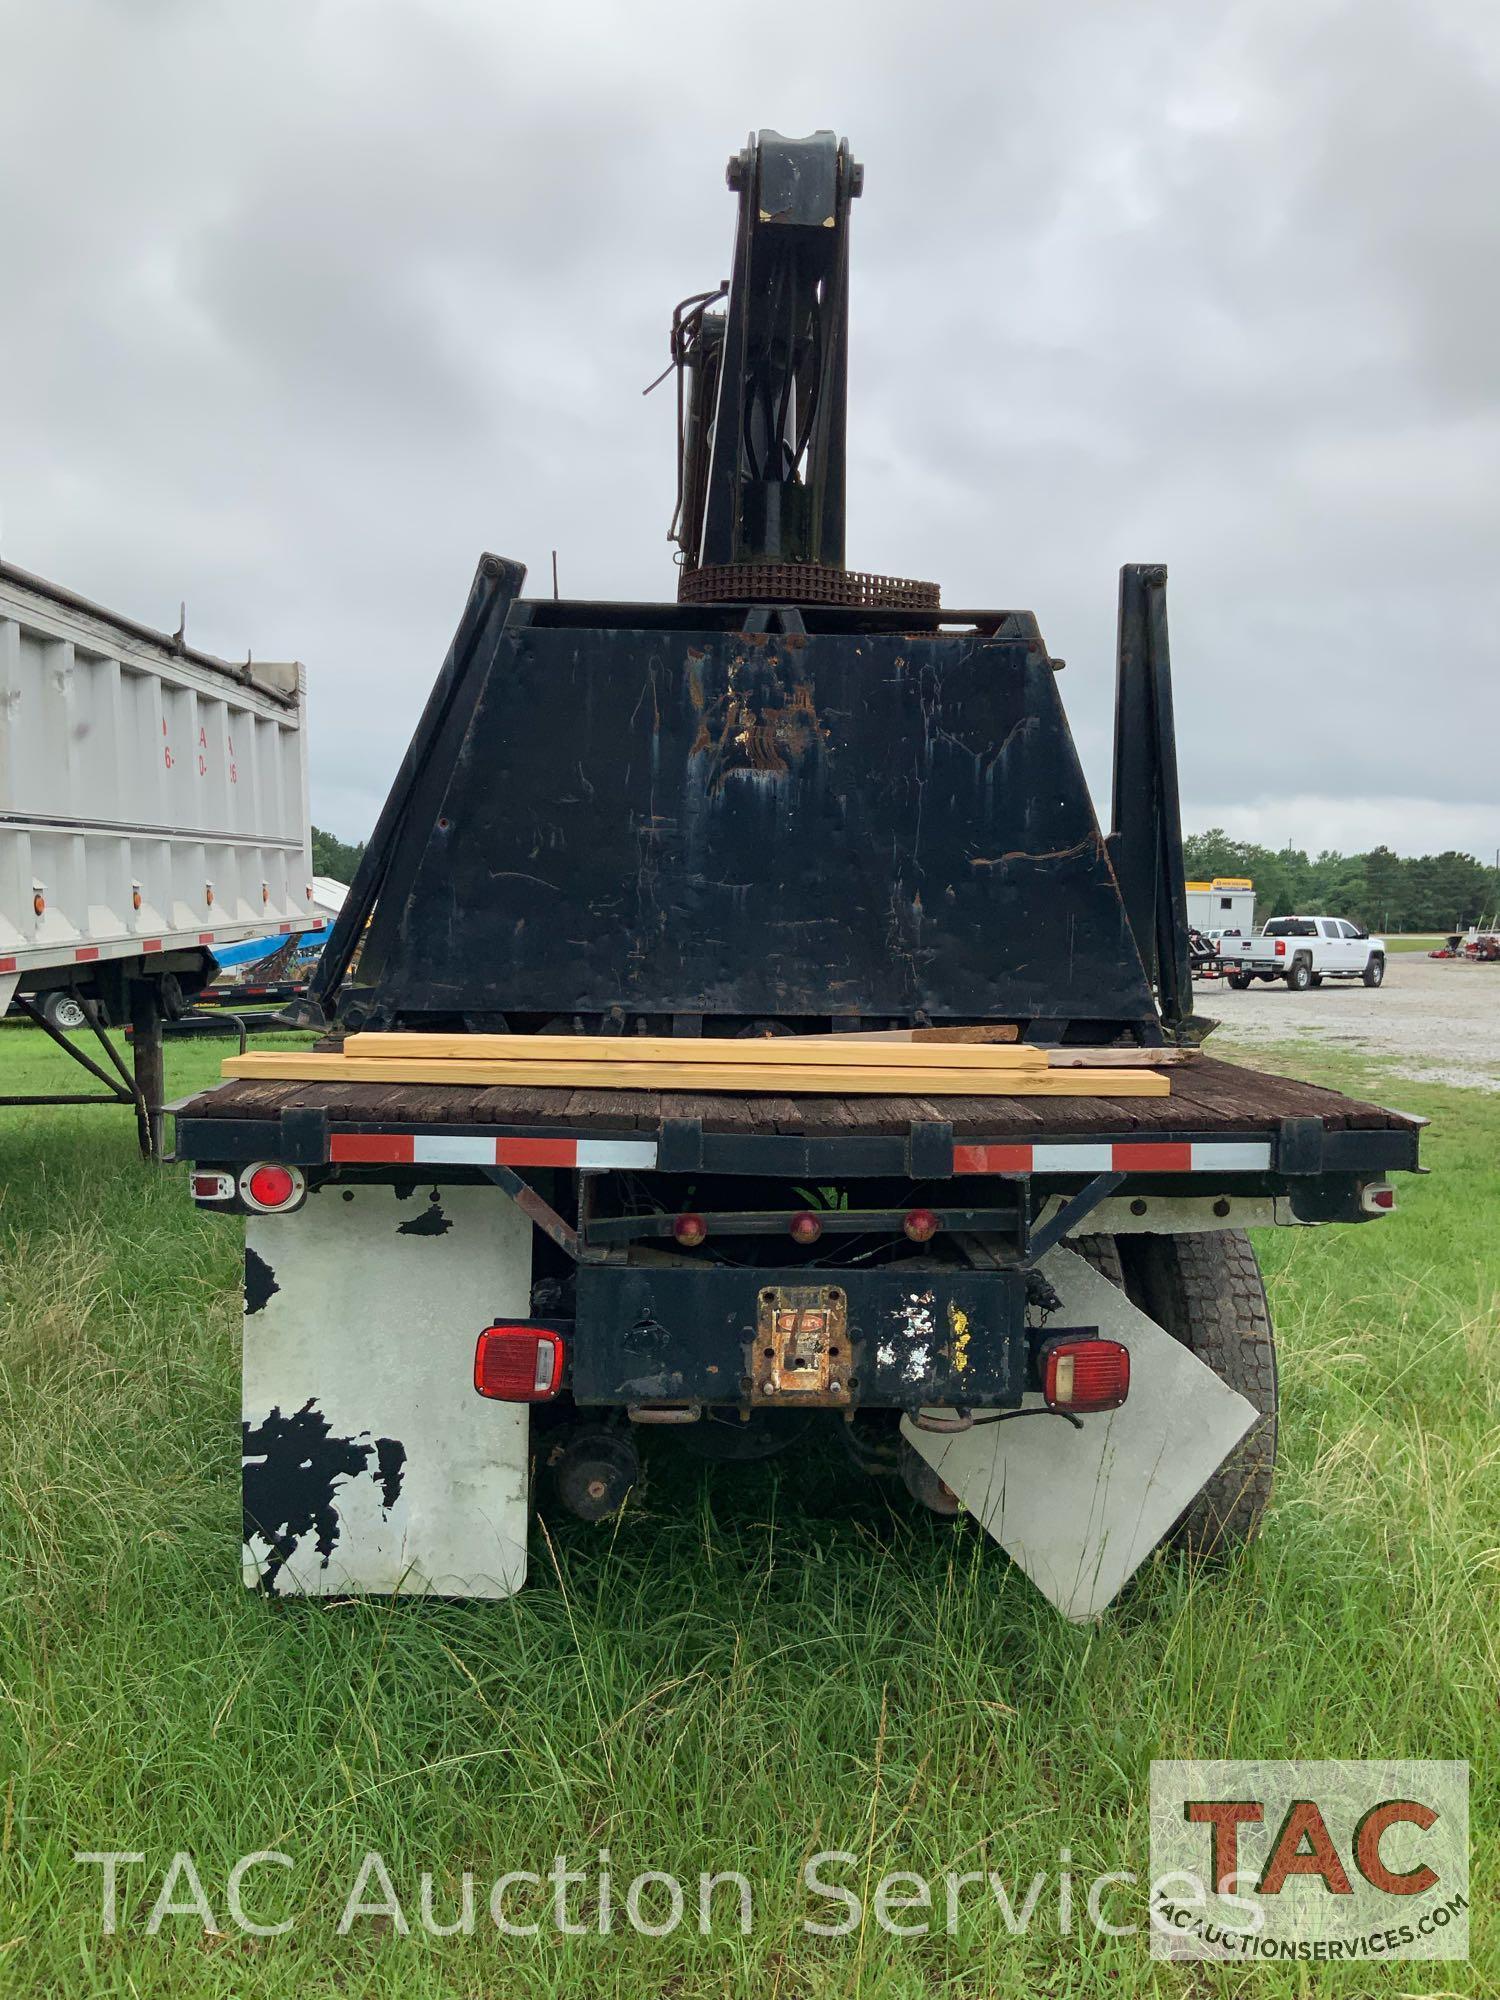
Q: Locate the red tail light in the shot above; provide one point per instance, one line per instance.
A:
(1083, 1375)
(1379, 1198)
(805, 1228)
(690, 1231)
(1281, 947)
(210, 1186)
(921, 1225)
(269, 1186)
(519, 1364)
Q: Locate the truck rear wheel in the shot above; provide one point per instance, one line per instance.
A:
(1206, 1291)
(1299, 975)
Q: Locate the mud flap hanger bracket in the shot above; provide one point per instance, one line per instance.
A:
(1076, 1209)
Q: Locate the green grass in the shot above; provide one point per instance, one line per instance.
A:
(1415, 941)
(754, 1664)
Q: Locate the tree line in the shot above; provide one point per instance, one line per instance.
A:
(335, 857)
(1381, 890)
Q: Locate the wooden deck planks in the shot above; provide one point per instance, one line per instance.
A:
(1217, 1097)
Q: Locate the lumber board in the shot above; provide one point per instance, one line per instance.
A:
(987, 1031)
(843, 1080)
(626, 1051)
(1079, 1056)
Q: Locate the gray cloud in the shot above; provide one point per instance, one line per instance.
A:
(308, 304)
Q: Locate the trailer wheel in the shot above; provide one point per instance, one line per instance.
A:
(61, 1010)
(1299, 975)
(1205, 1290)
(1240, 980)
(1374, 972)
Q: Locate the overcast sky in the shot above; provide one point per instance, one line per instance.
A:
(306, 305)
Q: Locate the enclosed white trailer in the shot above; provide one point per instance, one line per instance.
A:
(1224, 906)
(153, 805)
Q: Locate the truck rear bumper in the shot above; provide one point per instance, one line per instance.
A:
(800, 1338)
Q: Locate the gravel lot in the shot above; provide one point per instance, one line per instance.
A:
(1435, 1019)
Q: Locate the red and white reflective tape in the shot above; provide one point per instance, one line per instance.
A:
(1130, 1156)
(436, 1149)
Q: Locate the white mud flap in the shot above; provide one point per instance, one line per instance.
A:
(370, 1463)
(1080, 1509)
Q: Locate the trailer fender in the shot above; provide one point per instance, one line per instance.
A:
(1080, 1509)
(370, 1465)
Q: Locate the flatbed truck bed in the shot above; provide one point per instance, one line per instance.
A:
(1304, 1130)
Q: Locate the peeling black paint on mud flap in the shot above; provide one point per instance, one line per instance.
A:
(260, 1281)
(431, 1222)
(292, 1466)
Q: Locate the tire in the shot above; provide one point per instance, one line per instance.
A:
(1240, 981)
(1299, 975)
(1206, 1291)
(61, 1010)
(1374, 972)
(1101, 1254)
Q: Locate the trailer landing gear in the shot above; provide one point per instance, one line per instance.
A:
(142, 1085)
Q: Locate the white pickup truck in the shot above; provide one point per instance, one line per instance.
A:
(1304, 951)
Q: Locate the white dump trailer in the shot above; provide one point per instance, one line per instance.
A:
(153, 806)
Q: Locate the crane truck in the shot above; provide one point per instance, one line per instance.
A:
(797, 799)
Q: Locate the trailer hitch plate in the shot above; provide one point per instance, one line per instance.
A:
(801, 1347)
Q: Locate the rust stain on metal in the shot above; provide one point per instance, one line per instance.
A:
(800, 1352)
(744, 736)
(1091, 843)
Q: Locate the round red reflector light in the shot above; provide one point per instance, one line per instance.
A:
(271, 1186)
(921, 1225)
(806, 1227)
(690, 1230)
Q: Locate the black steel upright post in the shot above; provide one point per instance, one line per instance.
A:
(1146, 819)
